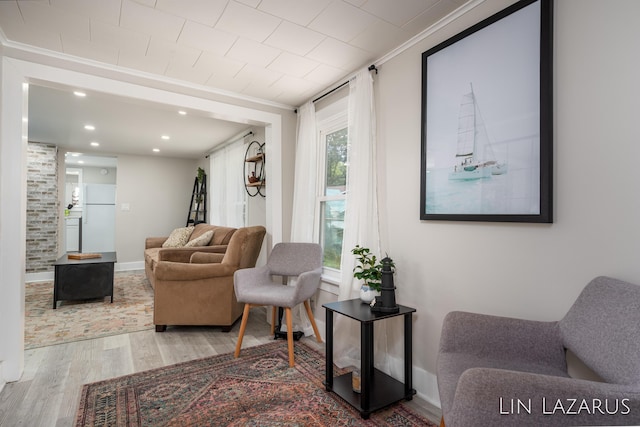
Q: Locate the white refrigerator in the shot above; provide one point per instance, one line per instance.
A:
(99, 218)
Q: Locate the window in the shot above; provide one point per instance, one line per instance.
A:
(333, 189)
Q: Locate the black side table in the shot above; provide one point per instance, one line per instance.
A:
(378, 390)
(79, 279)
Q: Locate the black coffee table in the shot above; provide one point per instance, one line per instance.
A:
(80, 279)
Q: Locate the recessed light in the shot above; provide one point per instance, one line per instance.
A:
(156, 150)
(80, 161)
(182, 113)
(165, 137)
(79, 94)
(95, 144)
(89, 127)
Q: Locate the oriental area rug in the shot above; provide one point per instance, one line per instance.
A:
(256, 389)
(131, 311)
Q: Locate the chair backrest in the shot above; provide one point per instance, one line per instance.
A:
(603, 329)
(244, 247)
(293, 259)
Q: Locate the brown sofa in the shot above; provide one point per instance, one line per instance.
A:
(154, 252)
(200, 291)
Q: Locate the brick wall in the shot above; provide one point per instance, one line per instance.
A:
(42, 207)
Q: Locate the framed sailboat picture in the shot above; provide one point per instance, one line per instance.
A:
(487, 120)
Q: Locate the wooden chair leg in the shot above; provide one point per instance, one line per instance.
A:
(243, 327)
(313, 321)
(290, 336)
(273, 319)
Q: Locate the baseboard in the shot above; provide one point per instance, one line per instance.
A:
(46, 276)
(424, 382)
(2, 381)
(128, 266)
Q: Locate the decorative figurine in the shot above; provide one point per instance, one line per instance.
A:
(386, 302)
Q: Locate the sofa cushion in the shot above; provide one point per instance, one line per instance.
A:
(202, 240)
(151, 257)
(178, 237)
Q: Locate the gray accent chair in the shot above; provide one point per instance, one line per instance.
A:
(498, 371)
(256, 287)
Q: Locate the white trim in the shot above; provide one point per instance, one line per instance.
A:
(34, 50)
(15, 73)
(443, 22)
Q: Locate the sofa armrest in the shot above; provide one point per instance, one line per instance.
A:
(205, 258)
(154, 242)
(502, 338)
(184, 254)
(180, 271)
(485, 396)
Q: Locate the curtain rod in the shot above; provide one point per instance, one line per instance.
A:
(372, 67)
(224, 144)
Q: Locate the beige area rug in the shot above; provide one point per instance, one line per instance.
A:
(131, 311)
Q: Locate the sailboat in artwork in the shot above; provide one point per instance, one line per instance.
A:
(474, 154)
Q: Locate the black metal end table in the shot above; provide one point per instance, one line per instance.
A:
(80, 279)
(378, 390)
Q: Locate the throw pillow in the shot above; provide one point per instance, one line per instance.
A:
(178, 237)
(202, 240)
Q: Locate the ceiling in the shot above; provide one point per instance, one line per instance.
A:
(282, 52)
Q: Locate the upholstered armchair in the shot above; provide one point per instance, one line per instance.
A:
(497, 371)
(200, 291)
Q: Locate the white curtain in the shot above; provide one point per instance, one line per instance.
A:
(306, 175)
(228, 196)
(304, 193)
(361, 217)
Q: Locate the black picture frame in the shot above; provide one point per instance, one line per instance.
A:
(495, 164)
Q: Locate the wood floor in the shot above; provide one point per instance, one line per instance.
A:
(49, 391)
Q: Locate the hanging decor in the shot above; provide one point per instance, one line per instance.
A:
(253, 171)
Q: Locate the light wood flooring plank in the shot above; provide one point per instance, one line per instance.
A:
(49, 392)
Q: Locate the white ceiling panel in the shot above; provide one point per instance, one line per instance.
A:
(293, 65)
(294, 38)
(107, 11)
(205, 12)
(163, 49)
(90, 50)
(339, 54)
(206, 38)
(252, 52)
(281, 52)
(41, 15)
(151, 21)
(301, 12)
(247, 22)
(342, 21)
(219, 65)
(398, 16)
(120, 38)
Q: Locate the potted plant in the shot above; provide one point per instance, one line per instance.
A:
(369, 270)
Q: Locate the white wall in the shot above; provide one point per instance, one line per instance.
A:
(523, 270)
(157, 191)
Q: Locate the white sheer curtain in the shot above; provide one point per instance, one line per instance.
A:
(361, 215)
(228, 195)
(304, 192)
